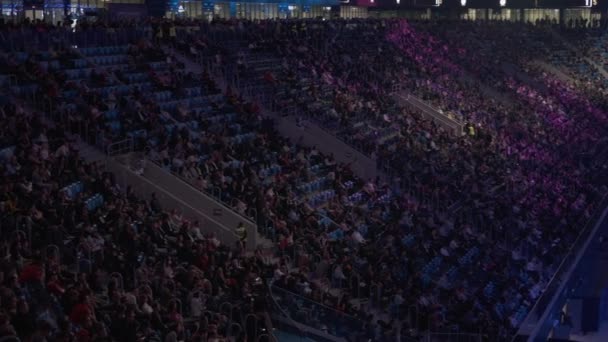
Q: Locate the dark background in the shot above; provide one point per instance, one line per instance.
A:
(603, 4)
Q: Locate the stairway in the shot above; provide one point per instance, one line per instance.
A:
(555, 71)
(265, 245)
(194, 67)
(486, 89)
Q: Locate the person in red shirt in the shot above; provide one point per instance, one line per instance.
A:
(32, 273)
(54, 285)
(269, 77)
(82, 311)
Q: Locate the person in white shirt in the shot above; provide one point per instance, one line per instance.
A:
(195, 231)
(241, 207)
(370, 188)
(196, 304)
(516, 254)
(62, 151)
(533, 265)
(214, 241)
(278, 274)
(357, 237)
(338, 274)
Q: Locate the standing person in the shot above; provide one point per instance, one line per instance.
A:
(159, 34)
(172, 35)
(241, 233)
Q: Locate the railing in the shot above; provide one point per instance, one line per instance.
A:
(24, 229)
(452, 125)
(120, 147)
(74, 123)
(316, 315)
(294, 112)
(173, 193)
(540, 312)
(215, 193)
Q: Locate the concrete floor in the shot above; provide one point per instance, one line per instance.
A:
(600, 336)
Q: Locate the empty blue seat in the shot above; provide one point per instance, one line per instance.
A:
(94, 202)
(111, 114)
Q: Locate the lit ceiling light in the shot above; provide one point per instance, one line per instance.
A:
(503, 3)
(398, 2)
(463, 2)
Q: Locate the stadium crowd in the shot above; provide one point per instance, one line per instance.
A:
(512, 148)
(97, 263)
(87, 260)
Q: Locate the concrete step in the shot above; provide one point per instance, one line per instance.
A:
(89, 153)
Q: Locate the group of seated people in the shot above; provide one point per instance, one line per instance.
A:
(85, 259)
(469, 233)
(513, 171)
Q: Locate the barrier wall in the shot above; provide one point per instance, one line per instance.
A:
(451, 125)
(562, 76)
(310, 134)
(514, 71)
(173, 193)
(539, 323)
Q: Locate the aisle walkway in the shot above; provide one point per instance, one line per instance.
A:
(600, 336)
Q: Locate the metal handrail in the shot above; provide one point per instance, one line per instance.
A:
(177, 302)
(28, 225)
(231, 331)
(435, 114)
(211, 194)
(321, 125)
(276, 305)
(325, 307)
(54, 250)
(416, 323)
(375, 295)
(255, 322)
(120, 147)
(228, 312)
(566, 267)
(118, 276)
